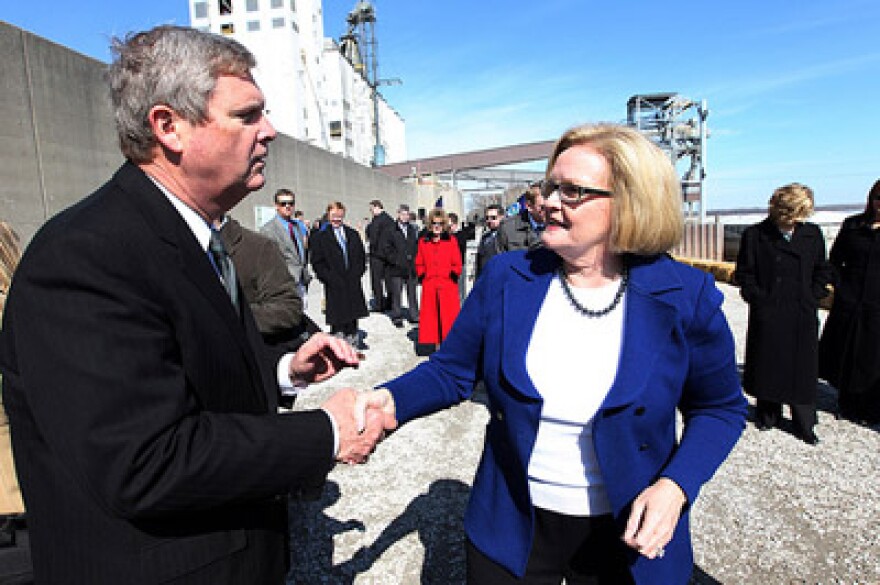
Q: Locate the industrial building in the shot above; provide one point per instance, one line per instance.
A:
(319, 91)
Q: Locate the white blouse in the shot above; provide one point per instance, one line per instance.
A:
(572, 361)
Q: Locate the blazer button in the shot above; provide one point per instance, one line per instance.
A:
(499, 415)
(639, 411)
(644, 447)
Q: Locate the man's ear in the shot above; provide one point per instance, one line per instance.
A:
(168, 127)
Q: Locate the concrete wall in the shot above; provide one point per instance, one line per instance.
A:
(58, 144)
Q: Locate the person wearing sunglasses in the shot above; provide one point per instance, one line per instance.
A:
(589, 346)
(488, 246)
(438, 268)
(290, 235)
(849, 351)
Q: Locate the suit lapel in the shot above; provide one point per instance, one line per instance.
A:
(523, 296)
(648, 321)
(192, 261)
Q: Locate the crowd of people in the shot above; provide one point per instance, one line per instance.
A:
(149, 339)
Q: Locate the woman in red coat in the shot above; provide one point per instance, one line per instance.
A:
(438, 267)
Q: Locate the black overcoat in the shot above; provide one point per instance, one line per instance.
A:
(850, 348)
(342, 283)
(401, 249)
(782, 281)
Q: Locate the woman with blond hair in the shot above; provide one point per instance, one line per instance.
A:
(438, 268)
(783, 272)
(589, 346)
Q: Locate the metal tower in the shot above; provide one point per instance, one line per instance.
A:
(678, 126)
(359, 45)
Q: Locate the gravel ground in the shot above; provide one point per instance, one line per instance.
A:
(778, 511)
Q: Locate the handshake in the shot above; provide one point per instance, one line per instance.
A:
(362, 420)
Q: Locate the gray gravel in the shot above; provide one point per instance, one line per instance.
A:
(778, 511)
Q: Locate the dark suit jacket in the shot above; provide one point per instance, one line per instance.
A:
(677, 353)
(142, 406)
(270, 290)
(401, 249)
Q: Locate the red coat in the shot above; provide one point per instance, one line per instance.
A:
(436, 262)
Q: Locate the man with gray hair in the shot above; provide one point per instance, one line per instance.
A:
(142, 402)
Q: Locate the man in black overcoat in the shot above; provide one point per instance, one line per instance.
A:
(402, 245)
(339, 261)
(376, 231)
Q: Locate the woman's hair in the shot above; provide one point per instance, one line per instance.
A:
(10, 252)
(170, 65)
(438, 213)
(790, 203)
(874, 193)
(646, 208)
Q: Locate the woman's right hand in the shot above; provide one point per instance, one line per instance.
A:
(379, 400)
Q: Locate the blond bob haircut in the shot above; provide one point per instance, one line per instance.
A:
(439, 214)
(646, 213)
(790, 204)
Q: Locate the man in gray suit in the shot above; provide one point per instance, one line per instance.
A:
(290, 236)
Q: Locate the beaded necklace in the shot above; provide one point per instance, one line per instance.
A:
(624, 280)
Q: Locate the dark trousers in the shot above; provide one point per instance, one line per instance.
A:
(768, 413)
(379, 284)
(581, 550)
(347, 329)
(412, 300)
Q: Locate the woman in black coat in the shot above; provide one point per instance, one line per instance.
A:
(339, 260)
(849, 353)
(782, 272)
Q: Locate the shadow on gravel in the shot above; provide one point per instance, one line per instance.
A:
(701, 577)
(436, 516)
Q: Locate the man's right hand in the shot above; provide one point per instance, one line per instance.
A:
(357, 439)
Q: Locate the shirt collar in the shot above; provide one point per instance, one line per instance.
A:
(197, 225)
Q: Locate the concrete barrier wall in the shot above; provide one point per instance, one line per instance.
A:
(58, 144)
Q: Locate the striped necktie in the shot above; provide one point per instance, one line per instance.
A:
(341, 239)
(223, 264)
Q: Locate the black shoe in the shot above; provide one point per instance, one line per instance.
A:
(763, 427)
(811, 439)
(397, 323)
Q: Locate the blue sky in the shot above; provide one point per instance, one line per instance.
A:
(790, 85)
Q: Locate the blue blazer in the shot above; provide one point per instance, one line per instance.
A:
(677, 353)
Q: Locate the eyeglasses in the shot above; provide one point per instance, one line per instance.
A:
(571, 193)
(440, 223)
(284, 203)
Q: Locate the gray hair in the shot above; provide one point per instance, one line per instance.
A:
(171, 65)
